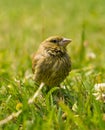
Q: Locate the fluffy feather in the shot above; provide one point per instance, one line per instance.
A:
(51, 63)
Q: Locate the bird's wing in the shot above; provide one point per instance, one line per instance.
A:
(34, 62)
(35, 59)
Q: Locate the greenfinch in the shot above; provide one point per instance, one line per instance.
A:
(51, 63)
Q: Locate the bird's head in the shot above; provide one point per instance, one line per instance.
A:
(55, 45)
(58, 41)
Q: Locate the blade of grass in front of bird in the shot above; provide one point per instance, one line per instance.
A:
(49, 100)
(72, 117)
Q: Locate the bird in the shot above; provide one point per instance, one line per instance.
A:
(51, 63)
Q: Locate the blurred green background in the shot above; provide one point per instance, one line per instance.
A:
(24, 24)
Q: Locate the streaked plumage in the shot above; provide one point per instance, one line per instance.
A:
(51, 63)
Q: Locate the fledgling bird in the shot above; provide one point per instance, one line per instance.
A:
(51, 63)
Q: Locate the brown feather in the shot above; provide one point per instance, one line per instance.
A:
(51, 63)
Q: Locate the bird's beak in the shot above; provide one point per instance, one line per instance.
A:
(65, 42)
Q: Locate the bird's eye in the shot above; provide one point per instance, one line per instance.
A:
(54, 41)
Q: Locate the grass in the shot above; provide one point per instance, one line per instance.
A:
(23, 25)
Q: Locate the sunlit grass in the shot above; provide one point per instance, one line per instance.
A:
(23, 25)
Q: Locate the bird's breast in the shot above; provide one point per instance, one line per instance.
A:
(52, 70)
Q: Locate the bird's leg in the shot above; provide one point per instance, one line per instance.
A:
(60, 96)
(31, 100)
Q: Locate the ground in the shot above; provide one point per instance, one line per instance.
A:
(23, 25)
